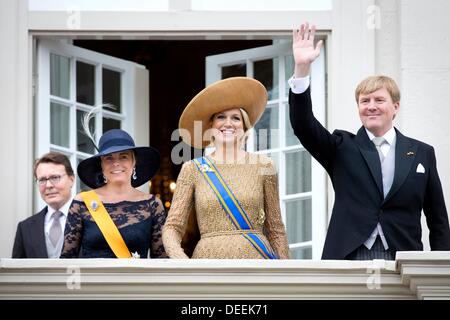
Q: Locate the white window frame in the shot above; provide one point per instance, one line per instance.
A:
(100, 61)
(318, 193)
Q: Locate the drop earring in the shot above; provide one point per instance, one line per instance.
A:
(105, 180)
(134, 174)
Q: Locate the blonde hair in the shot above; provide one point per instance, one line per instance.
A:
(374, 83)
(247, 126)
(246, 120)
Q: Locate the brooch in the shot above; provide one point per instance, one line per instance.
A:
(135, 255)
(94, 205)
(261, 217)
(409, 153)
(205, 168)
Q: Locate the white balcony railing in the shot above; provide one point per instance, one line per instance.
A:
(414, 275)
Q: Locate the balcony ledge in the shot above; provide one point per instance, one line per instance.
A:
(414, 275)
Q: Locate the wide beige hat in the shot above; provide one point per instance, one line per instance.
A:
(236, 92)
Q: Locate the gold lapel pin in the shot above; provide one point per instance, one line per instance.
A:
(409, 153)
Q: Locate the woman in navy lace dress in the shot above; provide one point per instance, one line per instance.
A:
(134, 218)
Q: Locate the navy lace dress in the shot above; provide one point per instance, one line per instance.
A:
(139, 223)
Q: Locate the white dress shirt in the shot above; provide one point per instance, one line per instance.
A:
(299, 85)
(55, 251)
(389, 138)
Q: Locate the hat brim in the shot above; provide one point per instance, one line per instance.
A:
(147, 164)
(236, 92)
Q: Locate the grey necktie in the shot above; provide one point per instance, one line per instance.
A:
(378, 141)
(55, 230)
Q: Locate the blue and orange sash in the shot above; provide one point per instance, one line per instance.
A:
(232, 206)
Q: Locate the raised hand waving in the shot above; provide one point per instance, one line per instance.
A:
(303, 49)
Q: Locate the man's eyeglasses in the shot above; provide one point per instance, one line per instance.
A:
(54, 180)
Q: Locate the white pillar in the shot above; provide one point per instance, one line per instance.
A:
(16, 121)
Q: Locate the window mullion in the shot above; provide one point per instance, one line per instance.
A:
(99, 99)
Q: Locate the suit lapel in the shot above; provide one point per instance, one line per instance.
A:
(370, 154)
(405, 153)
(37, 232)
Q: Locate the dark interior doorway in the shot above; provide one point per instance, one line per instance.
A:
(177, 74)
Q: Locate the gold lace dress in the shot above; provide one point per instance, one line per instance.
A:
(254, 183)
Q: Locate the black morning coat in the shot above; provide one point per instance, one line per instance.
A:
(353, 165)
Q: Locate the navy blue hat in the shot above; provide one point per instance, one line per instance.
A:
(117, 140)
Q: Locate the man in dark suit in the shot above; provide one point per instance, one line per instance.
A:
(381, 178)
(42, 235)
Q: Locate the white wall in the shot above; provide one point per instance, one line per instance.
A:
(425, 74)
(16, 121)
(387, 39)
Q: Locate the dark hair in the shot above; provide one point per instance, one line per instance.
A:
(56, 158)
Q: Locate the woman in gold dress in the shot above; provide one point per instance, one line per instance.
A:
(243, 221)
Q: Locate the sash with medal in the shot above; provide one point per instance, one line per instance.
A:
(106, 225)
(232, 206)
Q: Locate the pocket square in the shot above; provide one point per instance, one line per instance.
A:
(420, 168)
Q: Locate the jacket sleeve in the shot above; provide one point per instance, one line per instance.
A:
(313, 136)
(435, 210)
(158, 218)
(73, 231)
(182, 207)
(276, 232)
(18, 248)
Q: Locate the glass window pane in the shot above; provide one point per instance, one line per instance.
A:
(84, 143)
(266, 71)
(275, 158)
(111, 90)
(267, 130)
(80, 185)
(288, 70)
(298, 220)
(298, 172)
(235, 70)
(85, 83)
(59, 76)
(291, 138)
(109, 124)
(59, 124)
(301, 253)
